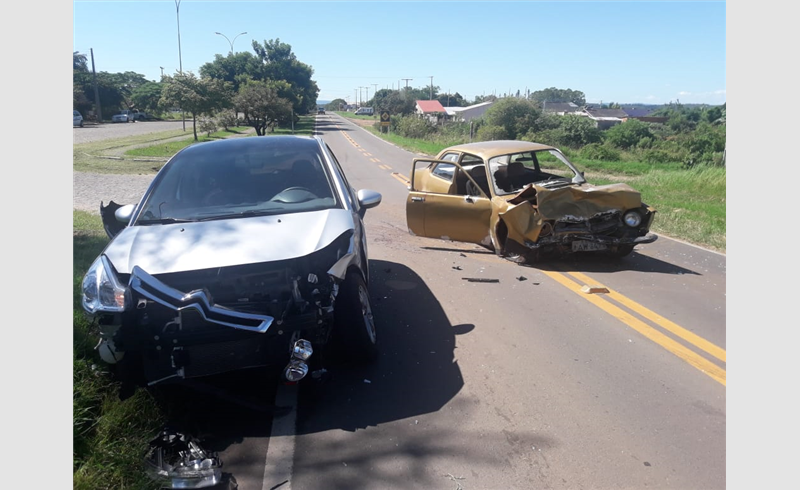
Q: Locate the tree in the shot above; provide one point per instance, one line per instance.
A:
(198, 96)
(393, 101)
(452, 100)
(147, 97)
(553, 94)
(517, 117)
(262, 105)
(336, 105)
(235, 68)
(280, 64)
(628, 134)
(79, 62)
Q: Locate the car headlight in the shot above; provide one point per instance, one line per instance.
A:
(632, 219)
(101, 288)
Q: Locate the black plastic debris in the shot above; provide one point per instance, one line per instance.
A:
(480, 279)
(457, 267)
(462, 255)
(178, 461)
(522, 278)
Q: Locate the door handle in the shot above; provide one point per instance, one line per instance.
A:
(418, 199)
(468, 199)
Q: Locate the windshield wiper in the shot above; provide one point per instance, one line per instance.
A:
(164, 221)
(241, 214)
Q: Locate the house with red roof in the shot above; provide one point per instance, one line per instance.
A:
(431, 109)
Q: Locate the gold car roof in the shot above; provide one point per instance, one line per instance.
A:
(489, 149)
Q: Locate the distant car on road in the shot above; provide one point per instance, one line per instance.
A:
(364, 111)
(128, 115)
(77, 119)
(320, 110)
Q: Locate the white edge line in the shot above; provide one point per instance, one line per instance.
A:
(279, 460)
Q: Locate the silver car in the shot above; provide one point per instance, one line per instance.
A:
(242, 253)
(77, 119)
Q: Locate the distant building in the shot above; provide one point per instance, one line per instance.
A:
(643, 114)
(605, 118)
(560, 108)
(430, 109)
(466, 114)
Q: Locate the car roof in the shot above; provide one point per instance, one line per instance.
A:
(488, 149)
(298, 142)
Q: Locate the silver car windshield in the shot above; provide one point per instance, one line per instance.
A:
(198, 186)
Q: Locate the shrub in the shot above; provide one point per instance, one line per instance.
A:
(207, 125)
(628, 134)
(413, 127)
(490, 132)
(227, 119)
(596, 151)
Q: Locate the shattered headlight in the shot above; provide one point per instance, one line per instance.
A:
(101, 289)
(633, 219)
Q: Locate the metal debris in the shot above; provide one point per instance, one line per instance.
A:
(480, 279)
(178, 461)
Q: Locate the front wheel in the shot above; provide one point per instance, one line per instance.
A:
(354, 322)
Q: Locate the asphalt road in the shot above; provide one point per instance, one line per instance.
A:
(524, 383)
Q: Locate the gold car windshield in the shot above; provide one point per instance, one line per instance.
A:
(550, 168)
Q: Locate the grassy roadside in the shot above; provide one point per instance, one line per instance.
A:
(690, 204)
(109, 436)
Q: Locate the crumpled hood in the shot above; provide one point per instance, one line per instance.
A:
(182, 247)
(586, 200)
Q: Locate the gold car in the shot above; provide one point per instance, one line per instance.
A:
(524, 201)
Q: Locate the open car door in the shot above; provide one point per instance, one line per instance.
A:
(438, 205)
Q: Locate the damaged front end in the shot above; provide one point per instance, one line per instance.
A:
(189, 324)
(177, 460)
(544, 221)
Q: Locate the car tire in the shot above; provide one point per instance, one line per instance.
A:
(619, 251)
(81, 123)
(354, 323)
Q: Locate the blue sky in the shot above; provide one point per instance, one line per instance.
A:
(647, 52)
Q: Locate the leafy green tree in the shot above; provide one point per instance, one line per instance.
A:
(336, 105)
(280, 63)
(147, 97)
(628, 134)
(517, 117)
(452, 100)
(393, 101)
(79, 62)
(554, 94)
(235, 68)
(483, 98)
(262, 105)
(197, 96)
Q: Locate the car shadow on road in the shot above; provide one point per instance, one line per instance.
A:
(330, 125)
(594, 262)
(416, 372)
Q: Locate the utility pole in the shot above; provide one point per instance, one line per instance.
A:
(405, 94)
(180, 60)
(431, 98)
(367, 99)
(356, 96)
(162, 71)
(99, 115)
(376, 89)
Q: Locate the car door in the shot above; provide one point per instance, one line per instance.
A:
(439, 207)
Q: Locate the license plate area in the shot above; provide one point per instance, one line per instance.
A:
(587, 246)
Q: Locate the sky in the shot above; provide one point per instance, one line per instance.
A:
(626, 52)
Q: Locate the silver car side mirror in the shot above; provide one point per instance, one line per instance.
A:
(124, 213)
(368, 199)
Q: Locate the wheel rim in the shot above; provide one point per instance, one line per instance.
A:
(366, 313)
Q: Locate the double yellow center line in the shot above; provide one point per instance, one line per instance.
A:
(688, 355)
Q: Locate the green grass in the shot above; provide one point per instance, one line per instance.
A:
(109, 436)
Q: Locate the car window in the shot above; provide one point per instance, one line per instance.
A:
(514, 171)
(445, 171)
(450, 157)
(207, 184)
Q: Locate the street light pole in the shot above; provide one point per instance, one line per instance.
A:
(180, 59)
(229, 41)
(162, 71)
